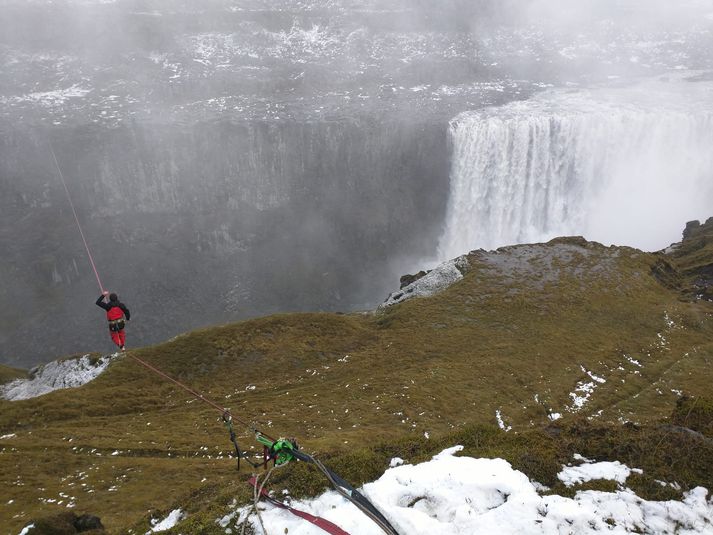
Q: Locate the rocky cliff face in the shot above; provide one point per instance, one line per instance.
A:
(202, 224)
(692, 258)
(238, 157)
(227, 160)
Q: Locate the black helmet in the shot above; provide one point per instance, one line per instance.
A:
(113, 297)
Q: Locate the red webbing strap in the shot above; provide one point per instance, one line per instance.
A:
(76, 219)
(225, 412)
(197, 395)
(320, 522)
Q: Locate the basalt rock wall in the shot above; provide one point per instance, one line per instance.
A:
(206, 223)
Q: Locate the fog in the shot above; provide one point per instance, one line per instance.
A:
(237, 158)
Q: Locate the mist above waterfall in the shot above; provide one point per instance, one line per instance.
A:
(618, 145)
(621, 165)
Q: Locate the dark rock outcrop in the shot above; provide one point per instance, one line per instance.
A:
(67, 524)
(666, 274)
(88, 522)
(409, 279)
(693, 259)
(579, 241)
(691, 228)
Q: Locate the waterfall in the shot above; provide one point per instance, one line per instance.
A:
(626, 165)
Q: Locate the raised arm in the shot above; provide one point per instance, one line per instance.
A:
(100, 302)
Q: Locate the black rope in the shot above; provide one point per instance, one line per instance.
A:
(340, 485)
(239, 454)
(350, 493)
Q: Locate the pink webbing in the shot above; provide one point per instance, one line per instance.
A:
(318, 521)
(81, 232)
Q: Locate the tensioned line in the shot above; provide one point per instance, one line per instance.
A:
(76, 219)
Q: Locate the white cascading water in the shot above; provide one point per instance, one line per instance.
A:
(627, 166)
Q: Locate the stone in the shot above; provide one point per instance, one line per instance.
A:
(691, 228)
(410, 279)
(88, 522)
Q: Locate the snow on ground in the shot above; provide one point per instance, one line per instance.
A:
(501, 422)
(589, 470)
(464, 495)
(584, 390)
(436, 280)
(167, 523)
(55, 375)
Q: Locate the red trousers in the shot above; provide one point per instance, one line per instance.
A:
(119, 337)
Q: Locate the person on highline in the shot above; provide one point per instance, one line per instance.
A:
(118, 315)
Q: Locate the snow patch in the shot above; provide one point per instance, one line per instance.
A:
(581, 395)
(27, 529)
(460, 495)
(589, 470)
(598, 379)
(669, 322)
(584, 390)
(436, 280)
(56, 375)
(170, 521)
(633, 361)
(501, 423)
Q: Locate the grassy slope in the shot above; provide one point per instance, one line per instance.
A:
(7, 374)
(512, 336)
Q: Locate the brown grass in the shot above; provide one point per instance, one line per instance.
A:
(359, 388)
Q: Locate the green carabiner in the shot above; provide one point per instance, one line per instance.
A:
(280, 450)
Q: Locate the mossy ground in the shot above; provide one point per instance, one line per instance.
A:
(7, 374)
(522, 331)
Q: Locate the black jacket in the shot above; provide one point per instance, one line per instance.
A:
(111, 304)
